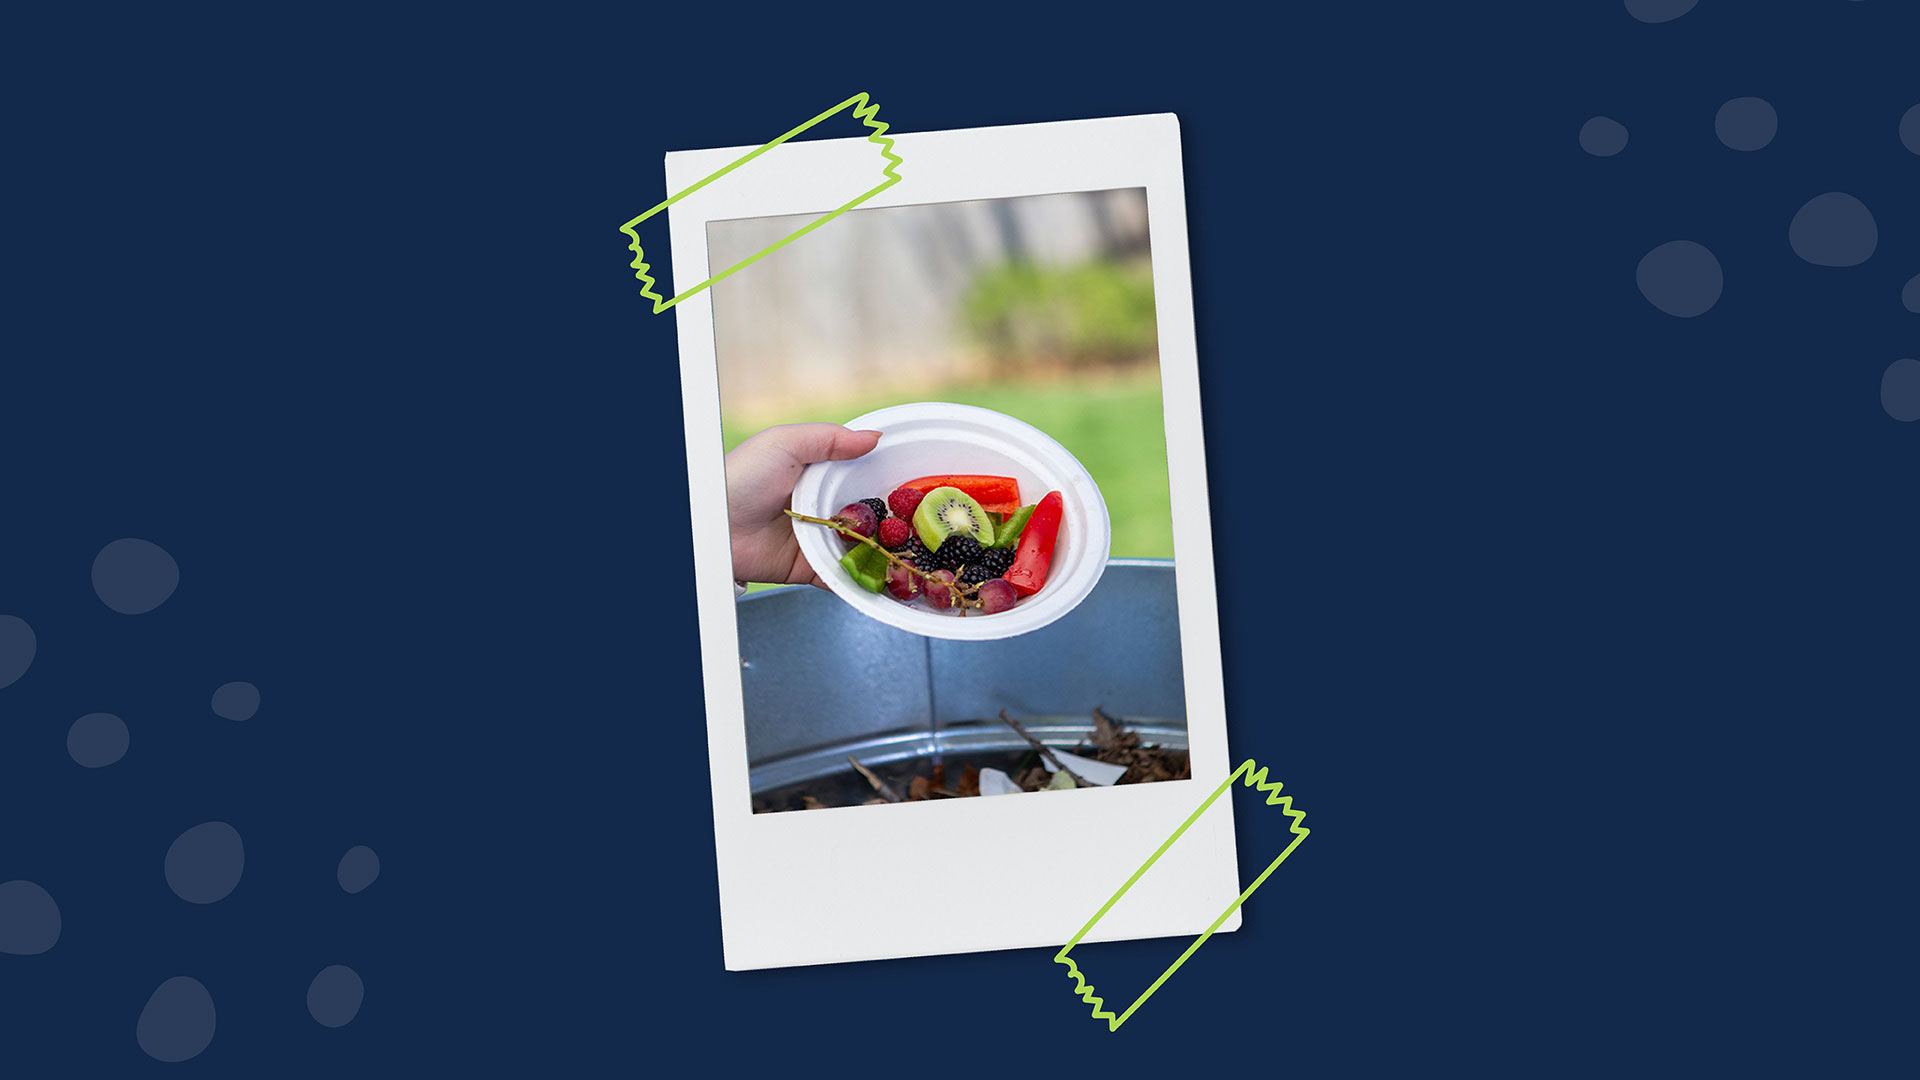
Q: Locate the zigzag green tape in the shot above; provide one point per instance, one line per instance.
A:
(864, 110)
(1253, 775)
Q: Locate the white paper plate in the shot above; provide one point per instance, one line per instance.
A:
(929, 437)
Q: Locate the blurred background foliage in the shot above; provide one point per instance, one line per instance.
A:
(1039, 307)
(1095, 314)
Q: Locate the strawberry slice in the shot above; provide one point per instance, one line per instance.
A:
(995, 494)
(1035, 553)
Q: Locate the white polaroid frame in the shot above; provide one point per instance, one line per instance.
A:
(823, 886)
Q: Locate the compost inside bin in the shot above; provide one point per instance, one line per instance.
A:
(1023, 760)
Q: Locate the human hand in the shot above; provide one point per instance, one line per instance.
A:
(761, 473)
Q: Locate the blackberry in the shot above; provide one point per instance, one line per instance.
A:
(879, 508)
(918, 554)
(958, 551)
(975, 573)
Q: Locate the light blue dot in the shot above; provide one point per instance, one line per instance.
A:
(236, 701)
(1834, 229)
(29, 919)
(1659, 11)
(1746, 123)
(1681, 278)
(1603, 136)
(335, 995)
(134, 576)
(178, 1021)
(17, 646)
(205, 863)
(97, 740)
(1900, 390)
(359, 868)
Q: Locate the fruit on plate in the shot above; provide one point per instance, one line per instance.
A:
(1005, 536)
(941, 592)
(1034, 554)
(858, 517)
(961, 542)
(902, 583)
(866, 566)
(905, 500)
(894, 534)
(995, 494)
(948, 511)
(996, 595)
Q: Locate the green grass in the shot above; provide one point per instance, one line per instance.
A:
(1114, 426)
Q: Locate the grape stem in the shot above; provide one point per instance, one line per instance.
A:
(965, 592)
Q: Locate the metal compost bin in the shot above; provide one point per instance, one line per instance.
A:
(823, 682)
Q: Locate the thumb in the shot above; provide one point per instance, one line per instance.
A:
(809, 443)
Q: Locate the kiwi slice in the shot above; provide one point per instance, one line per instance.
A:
(948, 511)
(1009, 534)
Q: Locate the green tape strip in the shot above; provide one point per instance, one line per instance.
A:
(864, 110)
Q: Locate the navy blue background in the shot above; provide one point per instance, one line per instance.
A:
(1584, 634)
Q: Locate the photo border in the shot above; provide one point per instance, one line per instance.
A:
(832, 885)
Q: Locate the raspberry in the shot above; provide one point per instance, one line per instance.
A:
(904, 501)
(894, 533)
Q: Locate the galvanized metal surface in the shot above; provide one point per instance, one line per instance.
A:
(819, 676)
(954, 743)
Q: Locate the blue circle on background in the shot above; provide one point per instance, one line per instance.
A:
(134, 576)
(17, 646)
(1603, 136)
(1681, 278)
(97, 740)
(29, 919)
(334, 996)
(236, 701)
(1659, 11)
(1900, 390)
(205, 863)
(178, 1020)
(1834, 229)
(1746, 123)
(359, 868)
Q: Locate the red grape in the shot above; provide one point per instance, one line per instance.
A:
(904, 584)
(941, 593)
(996, 596)
(859, 517)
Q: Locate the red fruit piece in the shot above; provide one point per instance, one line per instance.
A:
(894, 533)
(995, 596)
(905, 500)
(1035, 553)
(859, 517)
(902, 583)
(995, 494)
(940, 591)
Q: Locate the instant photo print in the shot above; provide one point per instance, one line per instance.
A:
(988, 634)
